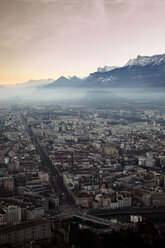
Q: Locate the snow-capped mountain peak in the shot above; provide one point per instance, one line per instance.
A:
(147, 60)
(106, 68)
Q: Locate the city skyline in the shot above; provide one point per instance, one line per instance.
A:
(50, 38)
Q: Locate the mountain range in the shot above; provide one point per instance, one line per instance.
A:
(143, 71)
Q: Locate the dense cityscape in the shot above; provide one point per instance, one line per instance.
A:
(67, 161)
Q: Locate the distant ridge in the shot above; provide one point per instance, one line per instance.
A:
(33, 83)
(64, 82)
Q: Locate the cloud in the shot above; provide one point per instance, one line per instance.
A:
(137, 2)
(38, 1)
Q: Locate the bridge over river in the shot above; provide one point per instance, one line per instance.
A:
(95, 216)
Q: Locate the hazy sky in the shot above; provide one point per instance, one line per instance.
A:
(50, 38)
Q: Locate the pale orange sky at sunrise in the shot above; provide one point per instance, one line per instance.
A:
(50, 38)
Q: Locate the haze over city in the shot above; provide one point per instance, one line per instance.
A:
(51, 38)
